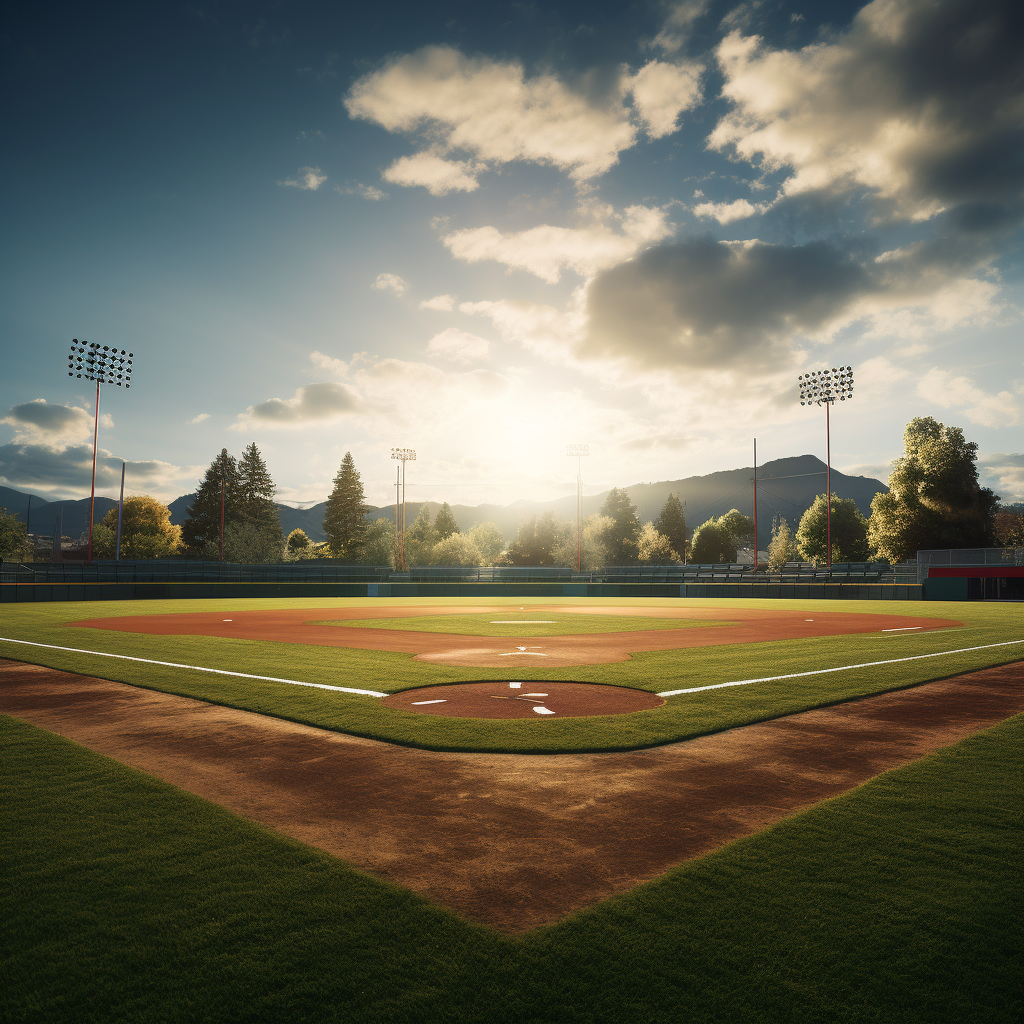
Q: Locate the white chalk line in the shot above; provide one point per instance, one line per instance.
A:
(197, 668)
(841, 668)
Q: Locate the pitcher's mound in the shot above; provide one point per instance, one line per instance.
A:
(537, 700)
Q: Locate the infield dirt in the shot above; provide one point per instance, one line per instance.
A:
(742, 625)
(509, 840)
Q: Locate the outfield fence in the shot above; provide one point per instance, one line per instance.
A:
(172, 578)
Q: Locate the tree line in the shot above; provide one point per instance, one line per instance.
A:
(934, 501)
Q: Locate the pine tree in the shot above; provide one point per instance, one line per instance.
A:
(256, 496)
(621, 538)
(444, 522)
(201, 531)
(671, 523)
(344, 521)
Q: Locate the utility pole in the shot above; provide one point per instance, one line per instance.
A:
(579, 451)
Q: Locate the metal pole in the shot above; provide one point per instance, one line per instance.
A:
(120, 513)
(755, 504)
(828, 481)
(398, 549)
(222, 515)
(92, 495)
(579, 514)
(403, 514)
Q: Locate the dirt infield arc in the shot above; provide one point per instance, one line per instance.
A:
(744, 625)
(510, 840)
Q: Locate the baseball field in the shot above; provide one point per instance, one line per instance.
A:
(514, 809)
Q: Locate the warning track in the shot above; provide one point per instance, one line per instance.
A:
(510, 840)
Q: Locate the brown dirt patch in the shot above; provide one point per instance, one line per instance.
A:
(502, 699)
(513, 841)
(744, 625)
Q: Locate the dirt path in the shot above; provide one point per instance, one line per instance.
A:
(513, 841)
(293, 625)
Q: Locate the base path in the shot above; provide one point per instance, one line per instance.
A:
(293, 625)
(510, 840)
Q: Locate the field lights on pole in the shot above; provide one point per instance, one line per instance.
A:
(578, 451)
(823, 387)
(403, 455)
(105, 364)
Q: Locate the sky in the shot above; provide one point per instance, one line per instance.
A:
(489, 231)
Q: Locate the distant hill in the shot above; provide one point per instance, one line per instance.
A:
(785, 486)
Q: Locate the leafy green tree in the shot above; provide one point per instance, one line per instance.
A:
(782, 547)
(621, 539)
(444, 522)
(201, 531)
(420, 538)
(712, 543)
(594, 555)
(654, 548)
(489, 541)
(13, 537)
(344, 518)
(1009, 528)
(739, 526)
(252, 543)
(379, 543)
(146, 530)
(455, 549)
(535, 542)
(298, 541)
(934, 499)
(849, 532)
(671, 523)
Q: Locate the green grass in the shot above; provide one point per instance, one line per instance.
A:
(562, 624)
(126, 899)
(681, 717)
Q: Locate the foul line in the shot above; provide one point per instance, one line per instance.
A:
(841, 668)
(197, 668)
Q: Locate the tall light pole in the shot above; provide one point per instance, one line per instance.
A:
(579, 452)
(403, 455)
(823, 387)
(104, 364)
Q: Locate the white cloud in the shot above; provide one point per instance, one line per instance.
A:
(370, 192)
(870, 109)
(945, 388)
(442, 303)
(676, 29)
(436, 174)
(390, 282)
(307, 178)
(1004, 473)
(458, 346)
(201, 418)
(725, 213)
(40, 421)
(547, 250)
(661, 92)
(314, 403)
(493, 111)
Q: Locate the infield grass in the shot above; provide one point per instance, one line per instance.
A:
(127, 899)
(681, 717)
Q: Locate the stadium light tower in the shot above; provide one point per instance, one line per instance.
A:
(823, 387)
(403, 455)
(104, 364)
(579, 452)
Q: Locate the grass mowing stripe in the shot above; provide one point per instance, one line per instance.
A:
(197, 668)
(127, 899)
(840, 668)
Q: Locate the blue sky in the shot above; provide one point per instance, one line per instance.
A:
(488, 231)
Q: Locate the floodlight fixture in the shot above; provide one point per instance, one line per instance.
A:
(105, 364)
(402, 455)
(825, 387)
(578, 451)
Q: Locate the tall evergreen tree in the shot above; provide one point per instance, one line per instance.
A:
(671, 523)
(622, 535)
(344, 521)
(444, 522)
(256, 495)
(201, 530)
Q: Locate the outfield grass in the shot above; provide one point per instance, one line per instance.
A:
(522, 624)
(681, 717)
(127, 899)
